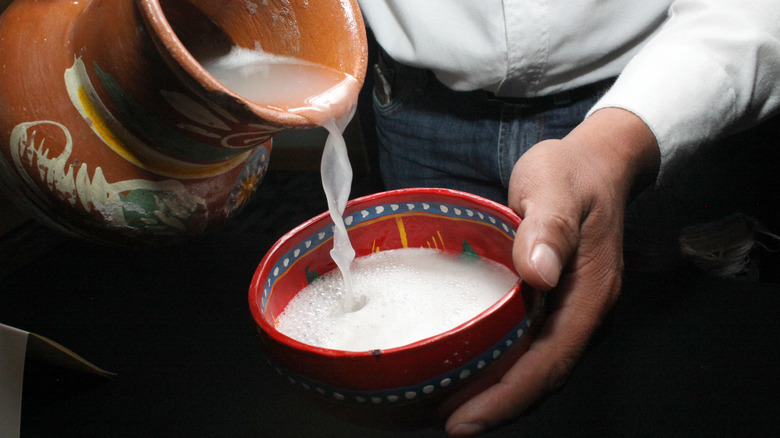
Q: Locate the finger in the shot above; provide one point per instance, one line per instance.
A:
(551, 210)
(518, 388)
(544, 368)
(543, 243)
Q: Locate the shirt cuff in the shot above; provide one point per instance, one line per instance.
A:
(683, 96)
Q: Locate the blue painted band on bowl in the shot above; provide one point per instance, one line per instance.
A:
(384, 211)
(428, 388)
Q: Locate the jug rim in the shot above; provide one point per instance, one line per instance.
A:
(175, 52)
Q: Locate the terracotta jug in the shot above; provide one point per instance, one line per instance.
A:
(112, 131)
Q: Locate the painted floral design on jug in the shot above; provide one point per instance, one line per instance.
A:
(154, 206)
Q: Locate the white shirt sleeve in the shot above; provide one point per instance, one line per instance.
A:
(712, 69)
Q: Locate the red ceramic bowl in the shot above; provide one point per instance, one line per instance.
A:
(422, 381)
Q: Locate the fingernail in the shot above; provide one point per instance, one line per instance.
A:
(546, 263)
(467, 429)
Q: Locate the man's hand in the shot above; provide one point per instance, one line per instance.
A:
(571, 194)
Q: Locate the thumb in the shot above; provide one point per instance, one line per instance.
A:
(551, 208)
(544, 242)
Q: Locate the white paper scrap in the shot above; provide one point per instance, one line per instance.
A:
(13, 347)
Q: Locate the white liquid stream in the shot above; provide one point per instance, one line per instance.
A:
(336, 173)
(310, 90)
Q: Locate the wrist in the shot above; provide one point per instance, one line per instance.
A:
(624, 147)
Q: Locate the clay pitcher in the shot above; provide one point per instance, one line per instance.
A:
(112, 131)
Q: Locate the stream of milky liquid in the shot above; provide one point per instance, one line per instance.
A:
(336, 172)
(310, 90)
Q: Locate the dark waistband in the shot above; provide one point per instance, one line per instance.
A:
(563, 98)
(558, 99)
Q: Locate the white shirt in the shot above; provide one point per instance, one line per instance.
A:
(691, 69)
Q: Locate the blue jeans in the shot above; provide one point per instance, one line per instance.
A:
(431, 136)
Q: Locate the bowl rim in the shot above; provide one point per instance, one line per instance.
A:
(255, 289)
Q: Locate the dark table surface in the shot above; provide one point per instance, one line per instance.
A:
(681, 355)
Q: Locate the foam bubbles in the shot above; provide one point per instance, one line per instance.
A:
(408, 295)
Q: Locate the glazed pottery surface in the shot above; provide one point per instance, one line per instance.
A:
(422, 381)
(112, 131)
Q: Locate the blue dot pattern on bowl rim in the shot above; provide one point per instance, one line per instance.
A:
(356, 218)
(428, 388)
